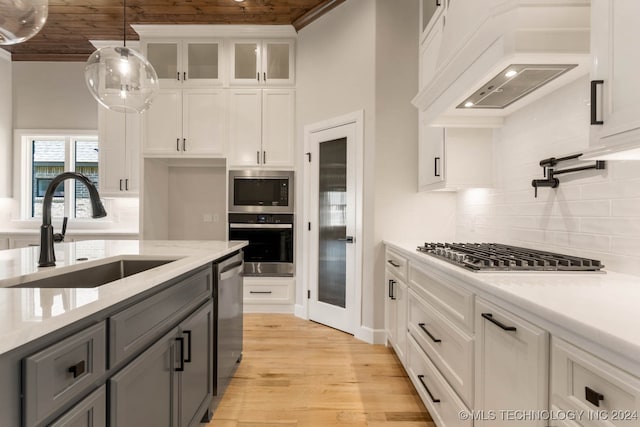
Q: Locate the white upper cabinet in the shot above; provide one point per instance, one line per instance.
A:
(615, 111)
(262, 62)
(189, 122)
(430, 12)
(186, 62)
(119, 152)
(261, 123)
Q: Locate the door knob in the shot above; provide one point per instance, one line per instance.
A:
(347, 239)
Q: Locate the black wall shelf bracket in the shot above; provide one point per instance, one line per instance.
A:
(550, 173)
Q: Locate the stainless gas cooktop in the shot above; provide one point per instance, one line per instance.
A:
(493, 257)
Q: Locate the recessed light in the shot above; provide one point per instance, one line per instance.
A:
(510, 73)
(468, 104)
(239, 1)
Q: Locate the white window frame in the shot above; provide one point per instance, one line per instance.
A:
(23, 166)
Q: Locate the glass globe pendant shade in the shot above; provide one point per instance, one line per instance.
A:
(121, 79)
(21, 19)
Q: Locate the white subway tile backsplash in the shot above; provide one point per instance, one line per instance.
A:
(594, 214)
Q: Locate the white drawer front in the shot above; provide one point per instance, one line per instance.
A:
(438, 396)
(581, 381)
(266, 293)
(455, 303)
(449, 348)
(397, 264)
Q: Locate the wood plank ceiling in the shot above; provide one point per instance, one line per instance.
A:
(73, 23)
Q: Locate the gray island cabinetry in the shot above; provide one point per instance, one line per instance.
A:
(145, 360)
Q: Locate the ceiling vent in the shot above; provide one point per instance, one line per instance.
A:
(512, 83)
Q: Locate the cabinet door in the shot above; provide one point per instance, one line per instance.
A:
(133, 125)
(165, 56)
(163, 123)
(512, 366)
(201, 62)
(430, 10)
(90, 412)
(615, 61)
(203, 121)
(144, 393)
(112, 152)
(245, 127)
(390, 309)
(196, 381)
(278, 62)
(278, 111)
(430, 156)
(401, 298)
(246, 60)
(429, 51)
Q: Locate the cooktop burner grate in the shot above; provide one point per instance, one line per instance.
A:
(499, 257)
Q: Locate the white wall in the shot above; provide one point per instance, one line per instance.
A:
(363, 55)
(6, 124)
(52, 95)
(593, 214)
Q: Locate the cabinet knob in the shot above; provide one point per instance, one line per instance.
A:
(77, 369)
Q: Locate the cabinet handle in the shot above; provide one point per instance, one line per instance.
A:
(77, 369)
(392, 262)
(594, 102)
(264, 77)
(434, 339)
(259, 292)
(391, 286)
(257, 157)
(258, 76)
(178, 73)
(188, 358)
(184, 144)
(490, 318)
(181, 367)
(434, 400)
(126, 184)
(184, 76)
(436, 162)
(121, 185)
(593, 396)
(438, 3)
(177, 144)
(264, 157)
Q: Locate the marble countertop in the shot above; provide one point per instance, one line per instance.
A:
(22, 316)
(597, 311)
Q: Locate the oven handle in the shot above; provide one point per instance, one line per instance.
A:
(278, 226)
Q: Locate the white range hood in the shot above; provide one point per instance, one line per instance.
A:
(495, 59)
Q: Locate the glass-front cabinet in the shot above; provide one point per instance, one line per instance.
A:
(430, 10)
(262, 62)
(186, 62)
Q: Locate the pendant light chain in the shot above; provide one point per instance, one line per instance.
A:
(124, 25)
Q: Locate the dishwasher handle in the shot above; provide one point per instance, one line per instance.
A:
(231, 270)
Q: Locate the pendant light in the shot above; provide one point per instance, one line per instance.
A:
(21, 19)
(120, 78)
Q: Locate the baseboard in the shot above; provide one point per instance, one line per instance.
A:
(300, 312)
(372, 336)
(268, 308)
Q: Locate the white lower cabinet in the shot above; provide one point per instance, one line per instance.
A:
(512, 367)
(268, 294)
(396, 306)
(601, 394)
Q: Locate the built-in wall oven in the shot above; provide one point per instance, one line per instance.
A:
(261, 211)
(270, 236)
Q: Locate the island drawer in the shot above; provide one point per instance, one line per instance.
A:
(396, 263)
(91, 411)
(448, 347)
(583, 382)
(61, 372)
(135, 328)
(441, 400)
(453, 301)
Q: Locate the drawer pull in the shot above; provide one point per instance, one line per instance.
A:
(502, 326)
(392, 262)
(593, 396)
(181, 367)
(77, 369)
(420, 378)
(259, 292)
(188, 358)
(434, 339)
(391, 289)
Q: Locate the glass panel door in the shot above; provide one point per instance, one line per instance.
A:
(245, 61)
(164, 58)
(277, 60)
(202, 60)
(332, 260)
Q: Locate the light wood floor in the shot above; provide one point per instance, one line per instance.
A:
(299, 373)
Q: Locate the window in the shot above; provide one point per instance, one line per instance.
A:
(49, 155)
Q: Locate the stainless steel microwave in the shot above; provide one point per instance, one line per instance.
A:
(259, 191)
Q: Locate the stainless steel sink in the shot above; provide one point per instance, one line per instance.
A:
(98, 275)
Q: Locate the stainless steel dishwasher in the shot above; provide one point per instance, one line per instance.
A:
(228, 311)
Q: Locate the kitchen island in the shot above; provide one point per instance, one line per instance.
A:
(62, 350)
